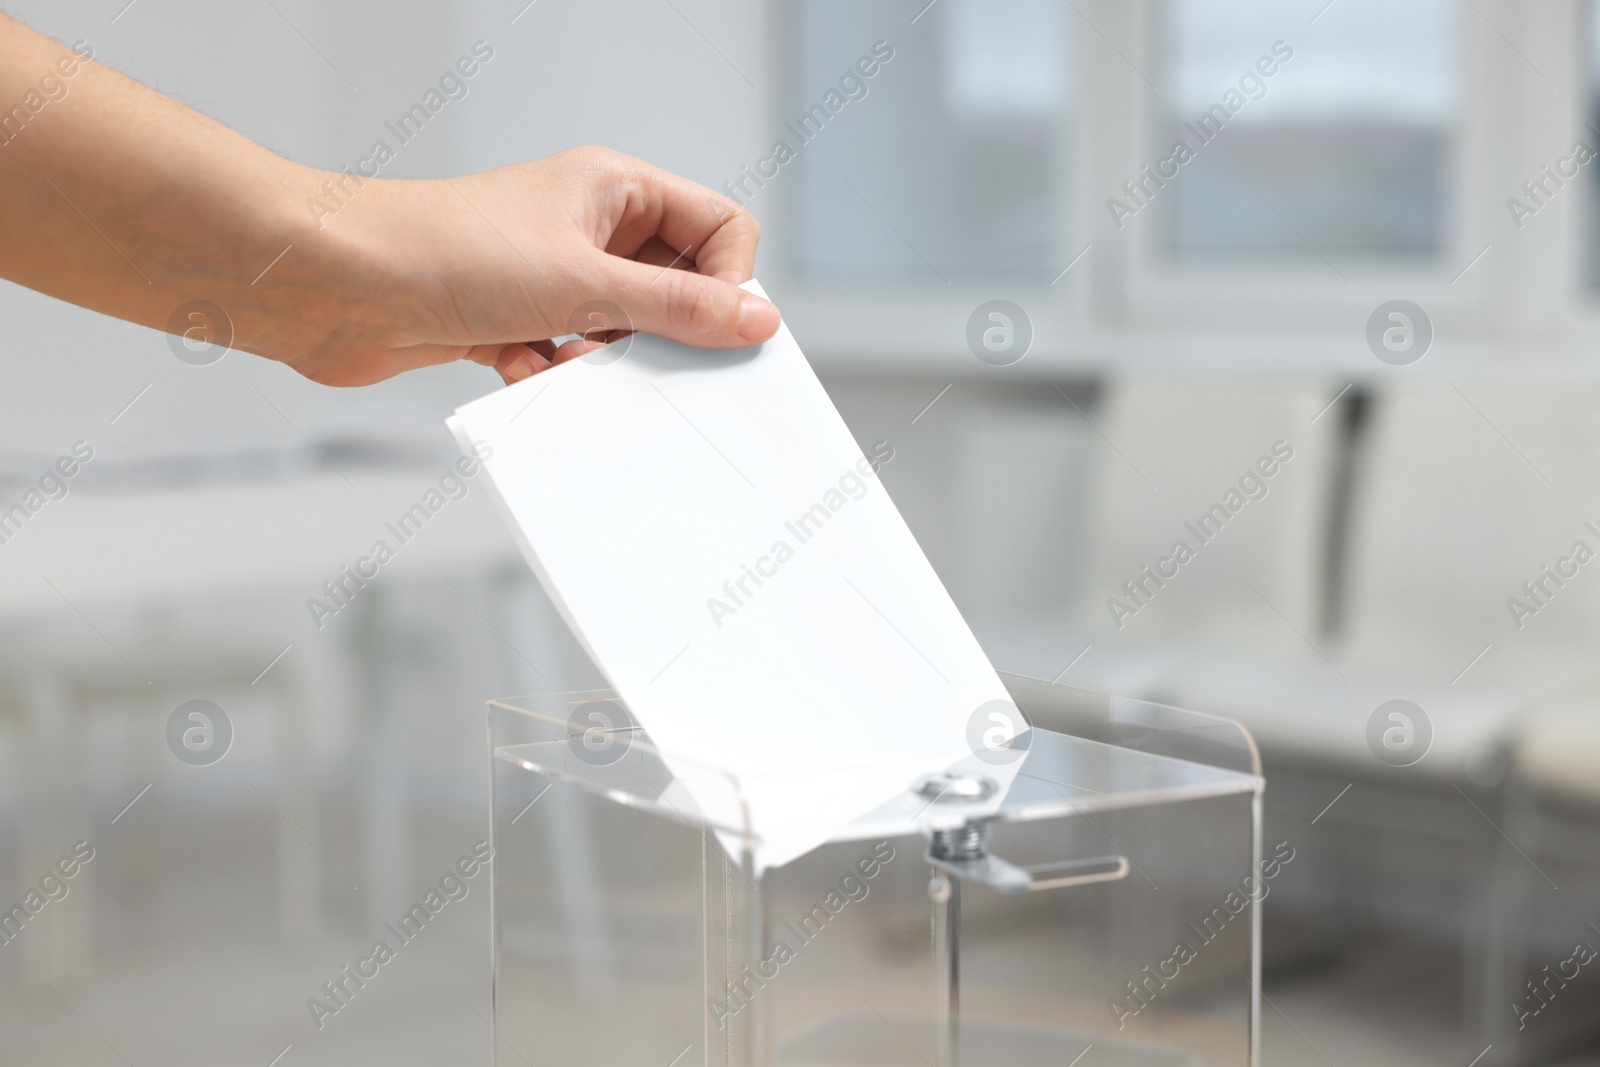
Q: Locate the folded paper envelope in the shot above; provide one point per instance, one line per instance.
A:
(726, 553)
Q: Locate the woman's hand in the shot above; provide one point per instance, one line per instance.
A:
(493, 267)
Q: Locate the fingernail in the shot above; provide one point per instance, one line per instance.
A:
(519, 368)
(758, 318)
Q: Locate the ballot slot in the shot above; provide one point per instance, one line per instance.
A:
(1106, 902)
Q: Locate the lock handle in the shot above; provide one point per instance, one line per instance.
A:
(964, 853)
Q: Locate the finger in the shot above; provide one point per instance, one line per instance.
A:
(574, 348)
(713, 232)
(517, 362)
(486, 355)
(489, 355)
(685, 306)
(730, 252)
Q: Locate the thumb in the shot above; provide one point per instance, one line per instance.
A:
(684, 306)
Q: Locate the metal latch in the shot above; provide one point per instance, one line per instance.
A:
(964, 850)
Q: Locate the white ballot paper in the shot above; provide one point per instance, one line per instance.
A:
(725, 552)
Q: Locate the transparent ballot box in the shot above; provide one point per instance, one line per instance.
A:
(1106, 914)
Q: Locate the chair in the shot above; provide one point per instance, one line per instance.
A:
(1238, 471)
(1470, 491)
(1168, 453)
(1464, 584)
(1536, 1000)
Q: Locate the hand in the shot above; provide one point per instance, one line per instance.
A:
(493, 267)
(121, 200)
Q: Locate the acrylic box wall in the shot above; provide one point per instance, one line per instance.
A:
(627, 932)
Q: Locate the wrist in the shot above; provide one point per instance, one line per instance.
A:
(327, 270)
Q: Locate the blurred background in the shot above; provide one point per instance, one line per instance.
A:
(1178, 323)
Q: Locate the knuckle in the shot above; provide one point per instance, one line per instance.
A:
(743, 224)
(591, 159)
(601, 158)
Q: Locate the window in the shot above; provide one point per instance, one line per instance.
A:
(1344, 150)
(946, 163)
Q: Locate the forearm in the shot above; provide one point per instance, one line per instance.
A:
(121, 200)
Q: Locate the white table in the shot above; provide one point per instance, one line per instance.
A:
(94, 566)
